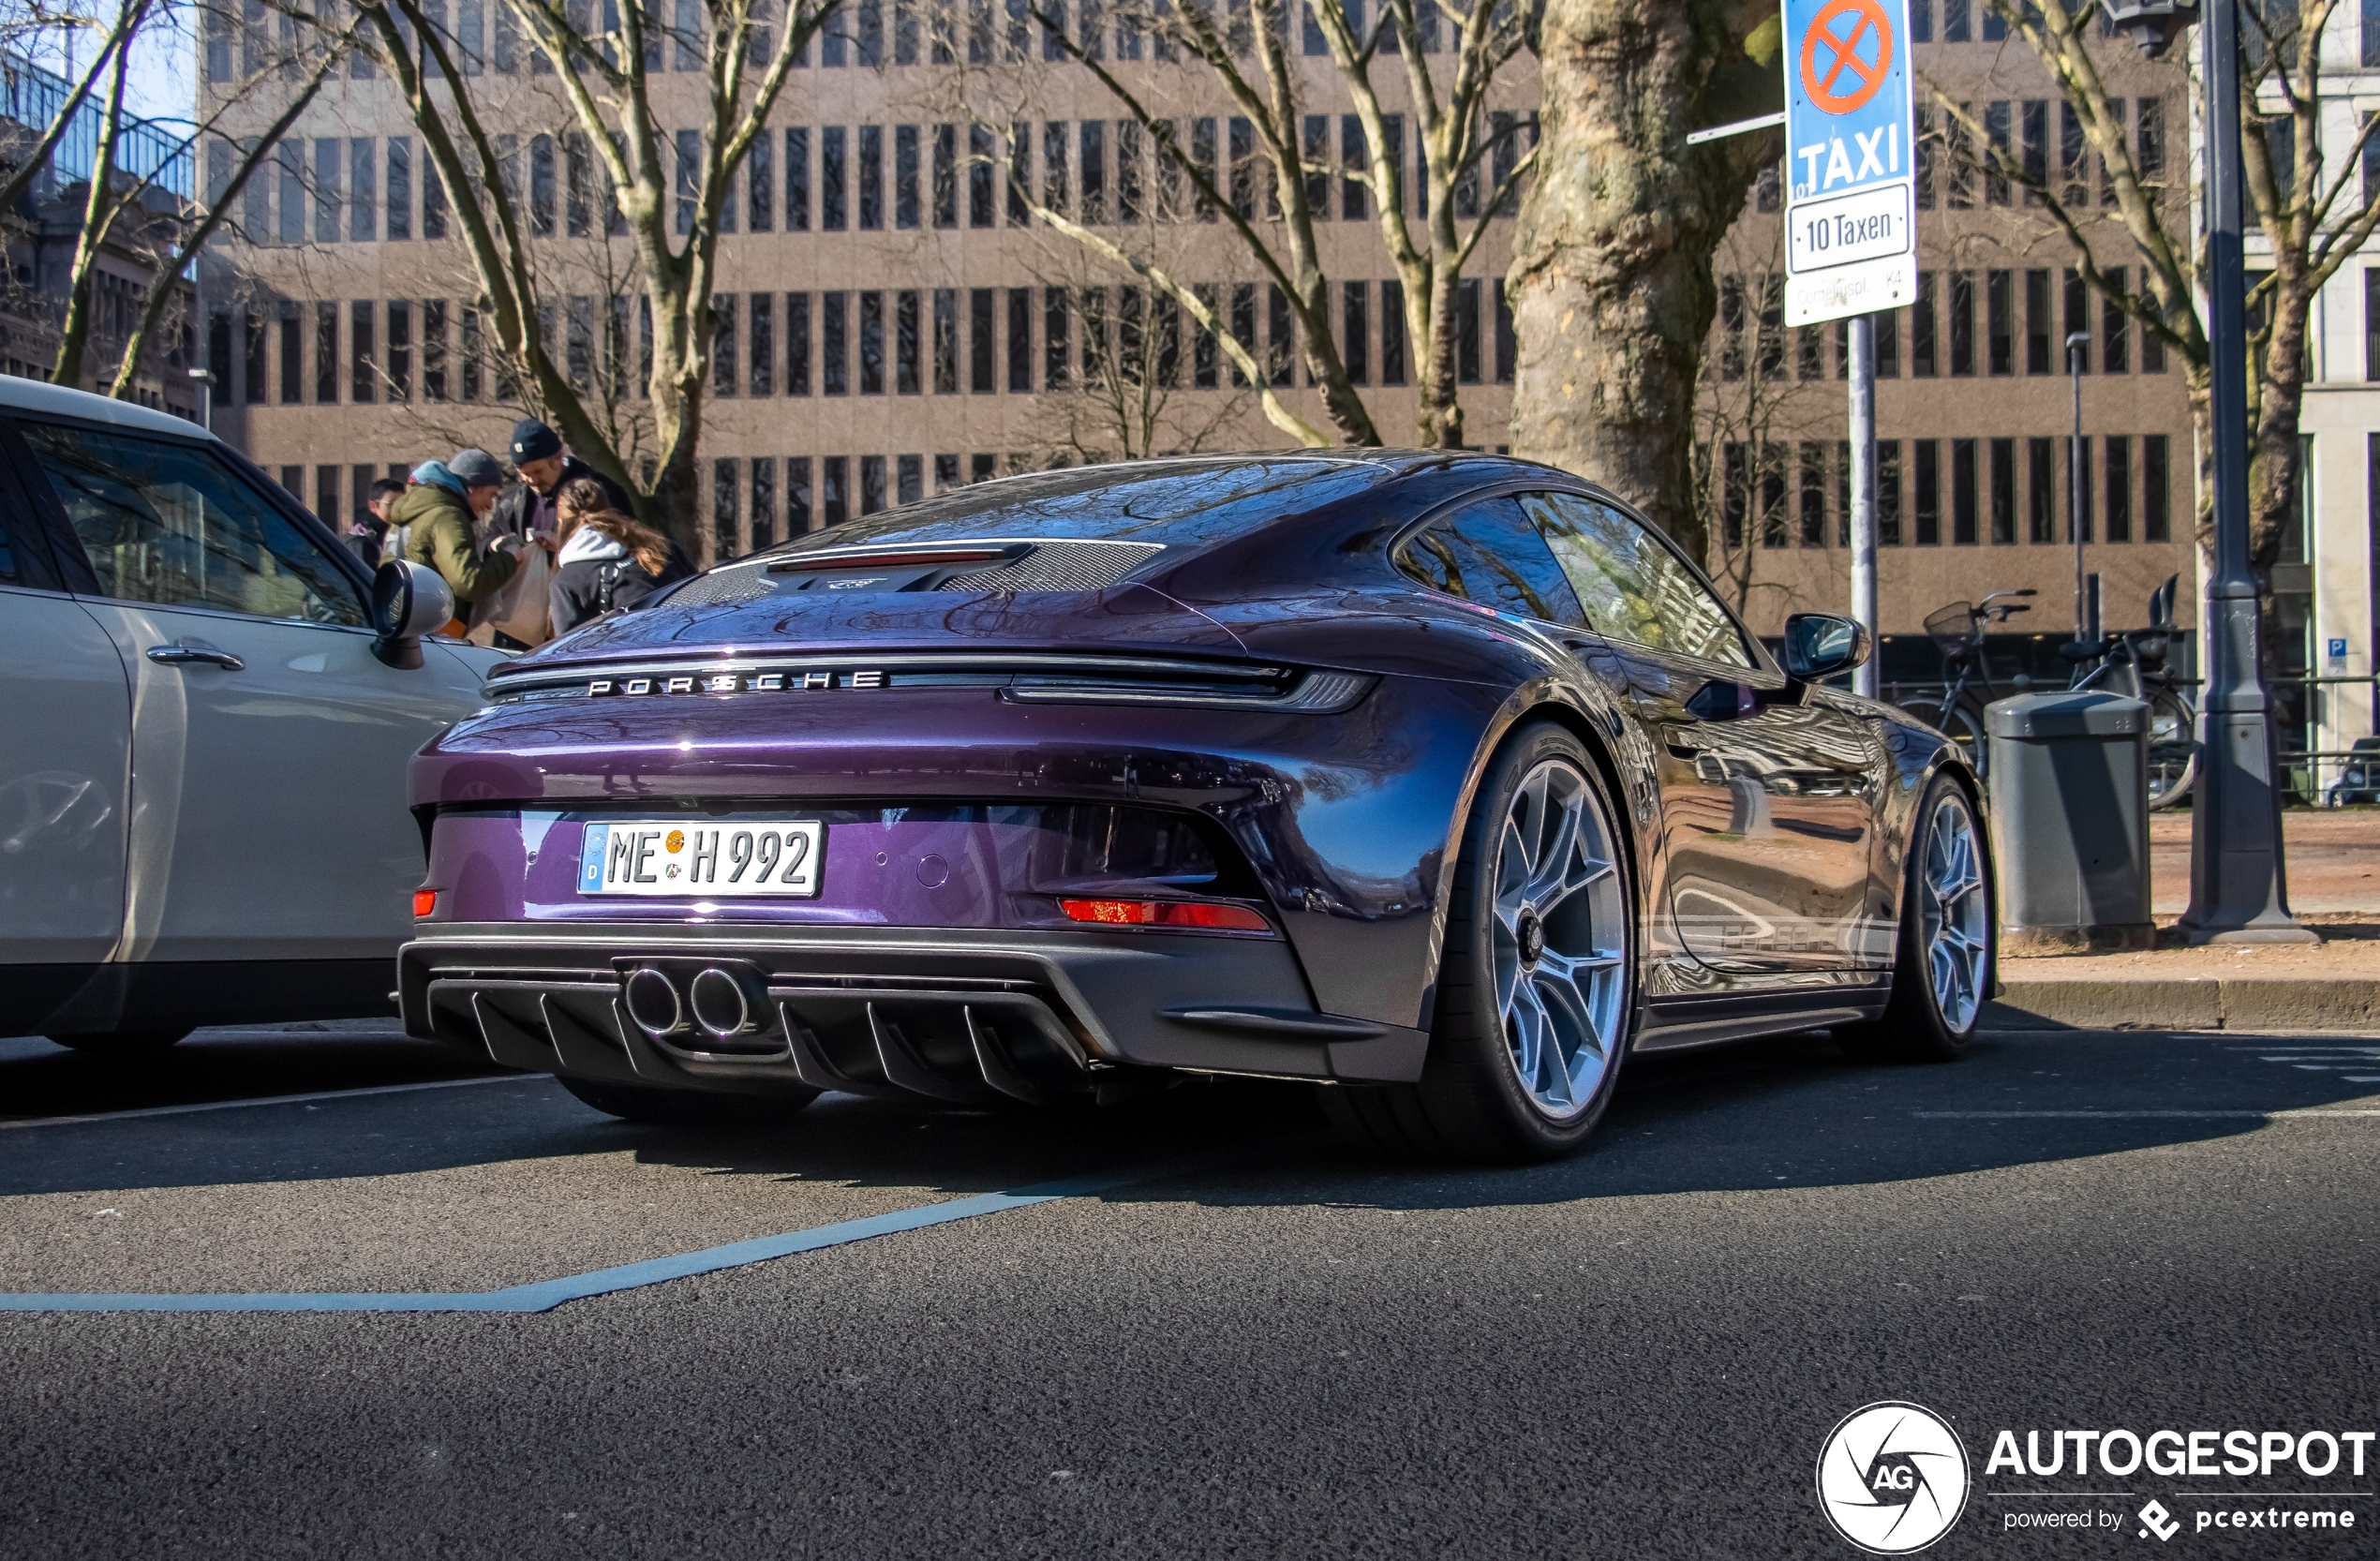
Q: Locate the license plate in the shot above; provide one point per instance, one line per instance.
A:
(709, 860)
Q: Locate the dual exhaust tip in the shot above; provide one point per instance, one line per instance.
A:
(725, 1003)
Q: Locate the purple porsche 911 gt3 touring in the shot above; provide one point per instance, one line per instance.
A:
(1441, 781)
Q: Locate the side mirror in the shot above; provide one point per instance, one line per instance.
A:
(409, 600)
(1818, 646)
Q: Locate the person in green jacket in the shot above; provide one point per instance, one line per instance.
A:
(439, 513)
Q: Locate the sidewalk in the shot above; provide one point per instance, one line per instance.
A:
(2334, 884)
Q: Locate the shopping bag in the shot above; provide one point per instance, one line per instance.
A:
(521, 607)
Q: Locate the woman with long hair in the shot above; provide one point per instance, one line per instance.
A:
(609, 562)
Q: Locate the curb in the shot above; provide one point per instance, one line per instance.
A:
(2208, 1002)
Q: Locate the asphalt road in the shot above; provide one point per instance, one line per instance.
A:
(1266, 1347)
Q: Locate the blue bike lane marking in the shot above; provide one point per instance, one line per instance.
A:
(546, 1295)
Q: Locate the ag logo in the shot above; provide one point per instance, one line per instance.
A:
(1892, 1477)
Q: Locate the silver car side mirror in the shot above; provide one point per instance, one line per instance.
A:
(409, 600)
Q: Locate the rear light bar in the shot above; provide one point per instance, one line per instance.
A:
(1166, 913)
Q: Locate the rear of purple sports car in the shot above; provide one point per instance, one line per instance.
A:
(1056, 786)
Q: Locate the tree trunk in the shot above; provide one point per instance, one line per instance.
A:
(100, 210)
(2276, 453)
(1611, 282)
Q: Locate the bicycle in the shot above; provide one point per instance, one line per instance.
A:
(2131, 663)
(1957, 711)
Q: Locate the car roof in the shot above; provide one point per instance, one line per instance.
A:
(39, 397)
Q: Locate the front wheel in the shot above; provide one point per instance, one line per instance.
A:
(1961, 722)
(2173, 750)
(686, 1107)
(1536, 982)
(1943, 973)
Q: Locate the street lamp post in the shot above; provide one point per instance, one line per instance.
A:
(2238, 887)
(2078, 486)
(205, 377)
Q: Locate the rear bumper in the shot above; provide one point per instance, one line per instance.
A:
(951, 1013)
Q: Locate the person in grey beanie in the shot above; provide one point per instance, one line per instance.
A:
(438, 511)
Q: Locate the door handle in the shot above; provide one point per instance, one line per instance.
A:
(185, 655)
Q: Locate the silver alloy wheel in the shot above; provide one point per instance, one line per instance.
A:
(1560, 939)
(1952, 911)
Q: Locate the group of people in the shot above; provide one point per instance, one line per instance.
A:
(527, 559)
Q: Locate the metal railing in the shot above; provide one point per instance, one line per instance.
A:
(33, 98)
(2305, 772)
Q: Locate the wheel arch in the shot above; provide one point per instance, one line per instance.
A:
(1950, 764)
(1580, 723)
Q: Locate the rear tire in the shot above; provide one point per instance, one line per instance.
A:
(1536, 982)
(1943, 972)
(685, 1107)
(120, 1043)
(2173, 750)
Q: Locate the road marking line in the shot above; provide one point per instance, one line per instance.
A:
(548, 1294)
(2285, 1115)
(271, 1100)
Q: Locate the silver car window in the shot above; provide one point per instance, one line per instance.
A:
(1632, 585)
(175, 526)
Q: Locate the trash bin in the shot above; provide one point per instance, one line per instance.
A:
(2070, 821)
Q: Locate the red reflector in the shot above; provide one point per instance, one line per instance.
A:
(424, 901)
(1164, 912)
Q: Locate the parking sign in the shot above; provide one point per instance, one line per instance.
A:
(1851, 220)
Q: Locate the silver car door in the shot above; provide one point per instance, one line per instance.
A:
(65, 766)
(269, 743)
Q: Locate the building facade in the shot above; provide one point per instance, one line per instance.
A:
(2326, 586)
(892, 321)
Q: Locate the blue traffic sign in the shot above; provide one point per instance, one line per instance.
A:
(1851, 159)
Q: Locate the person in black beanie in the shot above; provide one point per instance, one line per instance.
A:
(545, 464)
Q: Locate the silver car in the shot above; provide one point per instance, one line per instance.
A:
(204, 722)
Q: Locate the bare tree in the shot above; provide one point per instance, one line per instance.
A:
(1459, 141)
(1140, 385)
(669, 203)
(169, 244)
(1749, 410)
(20, 24)
(2314, 210)
(1275, 226)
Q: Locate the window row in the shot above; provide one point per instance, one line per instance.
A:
(487, 35)
(1798, 494)
(1941, 331)
(1971, 21)
(992, 340)
(840, 178)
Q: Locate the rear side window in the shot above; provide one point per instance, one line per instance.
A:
(1486, 552)
(173, 525)
(1632, 585)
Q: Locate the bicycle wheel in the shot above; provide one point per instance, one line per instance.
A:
(2173, 750)
(1962, 724)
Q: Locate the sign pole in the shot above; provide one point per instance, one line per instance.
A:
(1850, 221)
(2237, 889)
(1863, 485)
